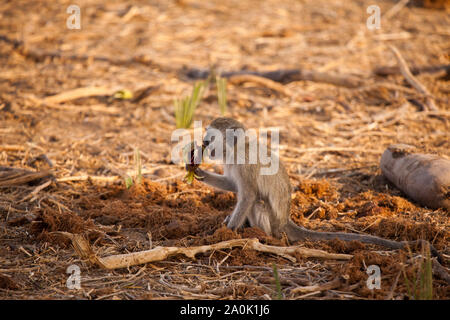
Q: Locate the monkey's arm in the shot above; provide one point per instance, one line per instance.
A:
(216, 180)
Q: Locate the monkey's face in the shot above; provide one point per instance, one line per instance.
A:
(221, 134)
(214, 141)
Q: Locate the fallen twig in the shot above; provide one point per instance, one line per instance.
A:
(87, 177)
(260, 80)
(12, 148)
(15, 176)
(394, 285)
(440, 271)
(318, 287)
(84, 250)
(79, 93)
(385, 71)
(412, 80)
(331, 149)
(286, 76)
(395, 9)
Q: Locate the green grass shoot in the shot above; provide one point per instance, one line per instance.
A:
(129, 181)
(277, 282)
(185, 107)
(421, 287)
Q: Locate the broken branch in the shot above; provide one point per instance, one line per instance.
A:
(82, 247)
(404, 69)
(286, 76)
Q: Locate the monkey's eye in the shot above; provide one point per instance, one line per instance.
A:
(207, 142)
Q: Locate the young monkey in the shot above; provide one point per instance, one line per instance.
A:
(264, 200)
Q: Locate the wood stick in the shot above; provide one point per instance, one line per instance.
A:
(412, 80)
(15, 176)
(82, 247)
(97, 108)
(318, 287)
(286, 76)
(440, 271)
(236, 79)
(12, 148)
(384, 71)
(88, 177)
(423, 177)
(331, 149)
(394, 285)
(78, 93)
(395, 9)
(120, 175)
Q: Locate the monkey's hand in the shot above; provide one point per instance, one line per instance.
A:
(192, 162)
(194, 172)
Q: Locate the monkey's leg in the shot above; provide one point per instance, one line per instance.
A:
(216, 180)
(259, 217)
(242, 211)
(245, 225)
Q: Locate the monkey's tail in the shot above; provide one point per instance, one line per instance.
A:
(297, 233)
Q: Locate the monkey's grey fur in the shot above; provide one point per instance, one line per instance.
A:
(264, 200)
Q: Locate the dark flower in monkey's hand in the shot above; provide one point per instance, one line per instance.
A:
(191, 153)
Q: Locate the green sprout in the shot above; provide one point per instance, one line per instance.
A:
(185, 107)
(421, 288)
(129, 181)
(277, 282)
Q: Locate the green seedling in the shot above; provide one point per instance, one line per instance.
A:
(421, 287)
(185, 107)
(277, 282)
(129, 181)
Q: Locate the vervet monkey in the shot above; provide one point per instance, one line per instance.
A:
(263, 200)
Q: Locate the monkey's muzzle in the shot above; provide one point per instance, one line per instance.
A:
(212, 152)
(206, 143)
